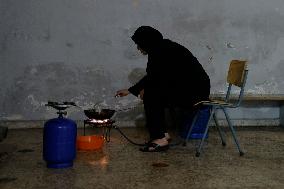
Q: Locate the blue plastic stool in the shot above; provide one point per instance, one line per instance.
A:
(199, 126)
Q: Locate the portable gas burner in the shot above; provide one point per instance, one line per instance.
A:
(105, 125)
(102, 120)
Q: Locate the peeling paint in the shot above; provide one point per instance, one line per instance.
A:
(208, 47)
(230, 45)
(211, 59)
(34, 102)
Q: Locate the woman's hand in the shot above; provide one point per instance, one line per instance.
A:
(141, 94)
(121, 93)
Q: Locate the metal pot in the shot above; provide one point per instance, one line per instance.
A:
(103, 114)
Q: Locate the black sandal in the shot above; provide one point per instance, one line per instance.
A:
(153, 147)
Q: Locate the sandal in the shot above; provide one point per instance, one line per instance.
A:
(153, 147)
(151, 141)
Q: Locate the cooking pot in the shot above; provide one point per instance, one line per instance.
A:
(99, 115)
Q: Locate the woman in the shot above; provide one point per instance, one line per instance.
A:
(174, 79)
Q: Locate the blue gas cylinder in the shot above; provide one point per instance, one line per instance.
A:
(59, 142)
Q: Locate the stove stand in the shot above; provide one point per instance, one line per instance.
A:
(104, 125)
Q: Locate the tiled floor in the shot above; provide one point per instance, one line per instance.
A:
(121, 165)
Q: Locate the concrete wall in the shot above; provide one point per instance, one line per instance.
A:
(81, 51)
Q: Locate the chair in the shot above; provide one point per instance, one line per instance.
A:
(237, 76)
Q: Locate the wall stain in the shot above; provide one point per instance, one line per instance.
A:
(4, 43)
(68, 44)
(132, 54)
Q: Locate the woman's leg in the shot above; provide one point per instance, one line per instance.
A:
(155, 120)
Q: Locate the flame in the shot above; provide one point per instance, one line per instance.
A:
(99, 121)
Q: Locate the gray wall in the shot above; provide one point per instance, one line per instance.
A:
(80, 50)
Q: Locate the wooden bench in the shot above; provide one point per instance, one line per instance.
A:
(254, 98)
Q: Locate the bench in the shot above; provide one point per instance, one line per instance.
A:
(277, 99)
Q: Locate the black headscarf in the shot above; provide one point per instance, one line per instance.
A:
(147, 38)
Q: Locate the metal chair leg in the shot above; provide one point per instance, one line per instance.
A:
(205, 133)
(221, 133)
(233, 131)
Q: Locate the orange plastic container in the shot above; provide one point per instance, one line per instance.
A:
(89, 143)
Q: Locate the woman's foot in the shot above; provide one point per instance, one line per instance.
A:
(153, 147)
(168, 137)
(156, 145)
(161, 141)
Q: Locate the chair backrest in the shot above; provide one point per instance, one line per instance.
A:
(237, 76)
(236, 72)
